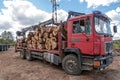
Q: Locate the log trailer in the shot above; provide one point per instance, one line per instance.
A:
(87, 45)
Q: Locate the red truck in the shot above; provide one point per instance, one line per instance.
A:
(88, 45)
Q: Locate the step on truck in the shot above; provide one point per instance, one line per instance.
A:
(86, 46)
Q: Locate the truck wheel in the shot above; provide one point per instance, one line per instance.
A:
(22, 54)
(29, 55)
(70, 65)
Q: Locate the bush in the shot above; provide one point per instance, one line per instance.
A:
(7, 41)
(116, 45)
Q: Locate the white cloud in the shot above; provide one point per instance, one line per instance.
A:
(18, 14)
(24, 12)
(118, 9)
(115, 16)
(56, 0)
(81, 0)
(62, 15)
(117, 35)
(96, 3)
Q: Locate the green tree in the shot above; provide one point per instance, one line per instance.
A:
(7, 35)
(7, 38)
(116, 45)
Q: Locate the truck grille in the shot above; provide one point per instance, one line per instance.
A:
(108, 47)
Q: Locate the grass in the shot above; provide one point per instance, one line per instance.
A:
(116, 45)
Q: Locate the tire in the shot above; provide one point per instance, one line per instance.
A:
(29, 55)
(70, 65)
(22, 54)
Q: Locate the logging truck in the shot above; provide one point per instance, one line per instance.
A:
(82, 42)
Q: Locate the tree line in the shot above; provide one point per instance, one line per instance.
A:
(116, 45)
(6, 37)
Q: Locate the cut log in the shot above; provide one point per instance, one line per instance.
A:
(40, 46)
(29, 45)
(40, 40)
(29, 42)
(48, 29)
(26, 40)
(44, 40)
(30, 34)
(29, 38)
(36, 37)
(34, 46)
(45, 35)
(42, 30)
(48, 44)
(36, 29)
(55, 31)
(54, 39)
(40, 35)
(51, 35)
(35, 33)
(53, 43)
(33, 39)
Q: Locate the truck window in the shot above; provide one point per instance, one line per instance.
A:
(78, 26)
(88, 27)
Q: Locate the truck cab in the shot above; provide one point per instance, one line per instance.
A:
(91, 35)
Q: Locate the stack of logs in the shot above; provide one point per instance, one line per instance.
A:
(41, 38)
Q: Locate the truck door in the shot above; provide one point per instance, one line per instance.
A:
(81, 35)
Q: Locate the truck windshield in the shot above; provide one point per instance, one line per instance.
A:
(102, 26)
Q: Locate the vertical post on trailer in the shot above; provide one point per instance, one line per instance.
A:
(54, 11)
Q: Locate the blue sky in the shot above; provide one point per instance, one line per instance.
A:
(16, 14)
(67, 5)
(73, 5)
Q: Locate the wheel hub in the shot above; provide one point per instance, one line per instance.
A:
(71, 65)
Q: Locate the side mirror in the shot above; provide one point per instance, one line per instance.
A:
(115, 29)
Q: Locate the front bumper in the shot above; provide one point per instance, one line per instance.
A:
(104, 61)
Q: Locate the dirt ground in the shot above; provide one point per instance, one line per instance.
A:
(14, 68)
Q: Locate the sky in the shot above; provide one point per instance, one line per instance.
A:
(18, 14)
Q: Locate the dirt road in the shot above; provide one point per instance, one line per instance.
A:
(14, 68)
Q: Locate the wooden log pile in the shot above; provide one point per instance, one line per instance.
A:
(42, 38)
(21, 42)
